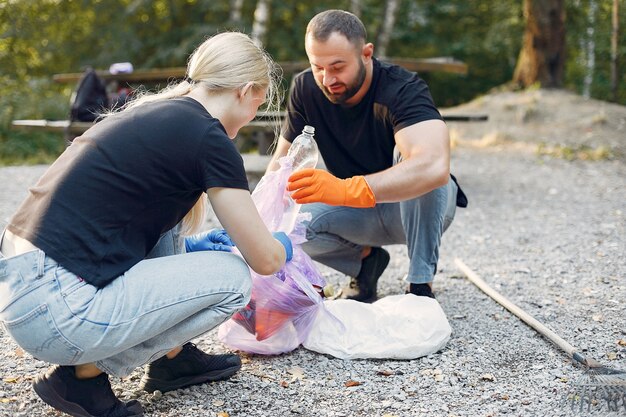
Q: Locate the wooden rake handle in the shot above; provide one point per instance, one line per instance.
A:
(521, 314)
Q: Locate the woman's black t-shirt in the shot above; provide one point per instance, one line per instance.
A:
(102, 206)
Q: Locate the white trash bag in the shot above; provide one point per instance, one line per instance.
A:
(394, 327)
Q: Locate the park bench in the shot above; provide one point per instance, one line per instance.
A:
(260, 133)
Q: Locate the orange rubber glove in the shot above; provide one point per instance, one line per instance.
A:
(319, 186)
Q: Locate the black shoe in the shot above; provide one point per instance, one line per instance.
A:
(372, 267)
(91, 397)
(422, 290)
(190, 367)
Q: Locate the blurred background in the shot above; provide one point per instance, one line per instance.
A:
(45, 37)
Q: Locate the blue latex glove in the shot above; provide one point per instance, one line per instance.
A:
(282, 238)
(214, 239)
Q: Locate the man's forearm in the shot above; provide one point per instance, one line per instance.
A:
(409, 179)
(425, 165)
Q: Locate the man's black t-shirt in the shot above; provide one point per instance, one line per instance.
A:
(359, 140)
(102, 206)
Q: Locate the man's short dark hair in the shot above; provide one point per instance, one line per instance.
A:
(325, 23)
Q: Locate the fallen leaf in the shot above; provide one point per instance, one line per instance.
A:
(385, 373)
(8, 400)
(597, 317)
(612, 356)
(487, 377)
(218, 403)
(505, 397)
(352, 383)
(10, 380)
(223, 414)
(264, 377)
(19, 352)
(296, 372)
(284, 384)
(621, 342)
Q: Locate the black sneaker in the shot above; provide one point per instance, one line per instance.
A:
(190, 367)
(363, 287)
(422, 290)
(91, 397)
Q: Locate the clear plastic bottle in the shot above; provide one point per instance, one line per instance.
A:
(304, 150)
(305, 154)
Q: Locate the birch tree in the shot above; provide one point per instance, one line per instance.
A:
(235, 11)
(614, 34)
(389, 20)
(261, 18)
(590, 49)
(356, 7)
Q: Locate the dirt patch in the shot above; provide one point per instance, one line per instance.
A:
(557, 122)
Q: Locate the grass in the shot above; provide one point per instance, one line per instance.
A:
(30, 98)
(29, 148)
(572, 153)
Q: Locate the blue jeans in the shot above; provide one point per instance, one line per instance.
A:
(336, 235)
(157, 305)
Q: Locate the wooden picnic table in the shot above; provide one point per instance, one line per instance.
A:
(150, 76)
(65, 126)
(260, 131)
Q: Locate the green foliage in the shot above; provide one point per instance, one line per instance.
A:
(32, 98)
(44, 37)
(484, 34)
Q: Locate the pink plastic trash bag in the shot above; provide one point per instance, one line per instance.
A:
(284, 305)
(279, 315)
(276, 299)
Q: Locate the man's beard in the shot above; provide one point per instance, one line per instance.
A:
(351, 89)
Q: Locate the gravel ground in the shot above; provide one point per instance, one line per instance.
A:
(549, 234)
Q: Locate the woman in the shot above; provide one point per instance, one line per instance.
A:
(93, 274)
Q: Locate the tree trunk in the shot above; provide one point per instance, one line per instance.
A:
(590, 50)
(614, 34)
(235, 11)
(542, 58)
(261, 17)
(355, 7)
(391, 6)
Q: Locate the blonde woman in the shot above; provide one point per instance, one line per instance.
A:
(93, 272)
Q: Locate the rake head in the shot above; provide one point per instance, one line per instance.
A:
(599, 386)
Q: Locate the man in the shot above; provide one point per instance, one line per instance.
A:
(387, 151)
